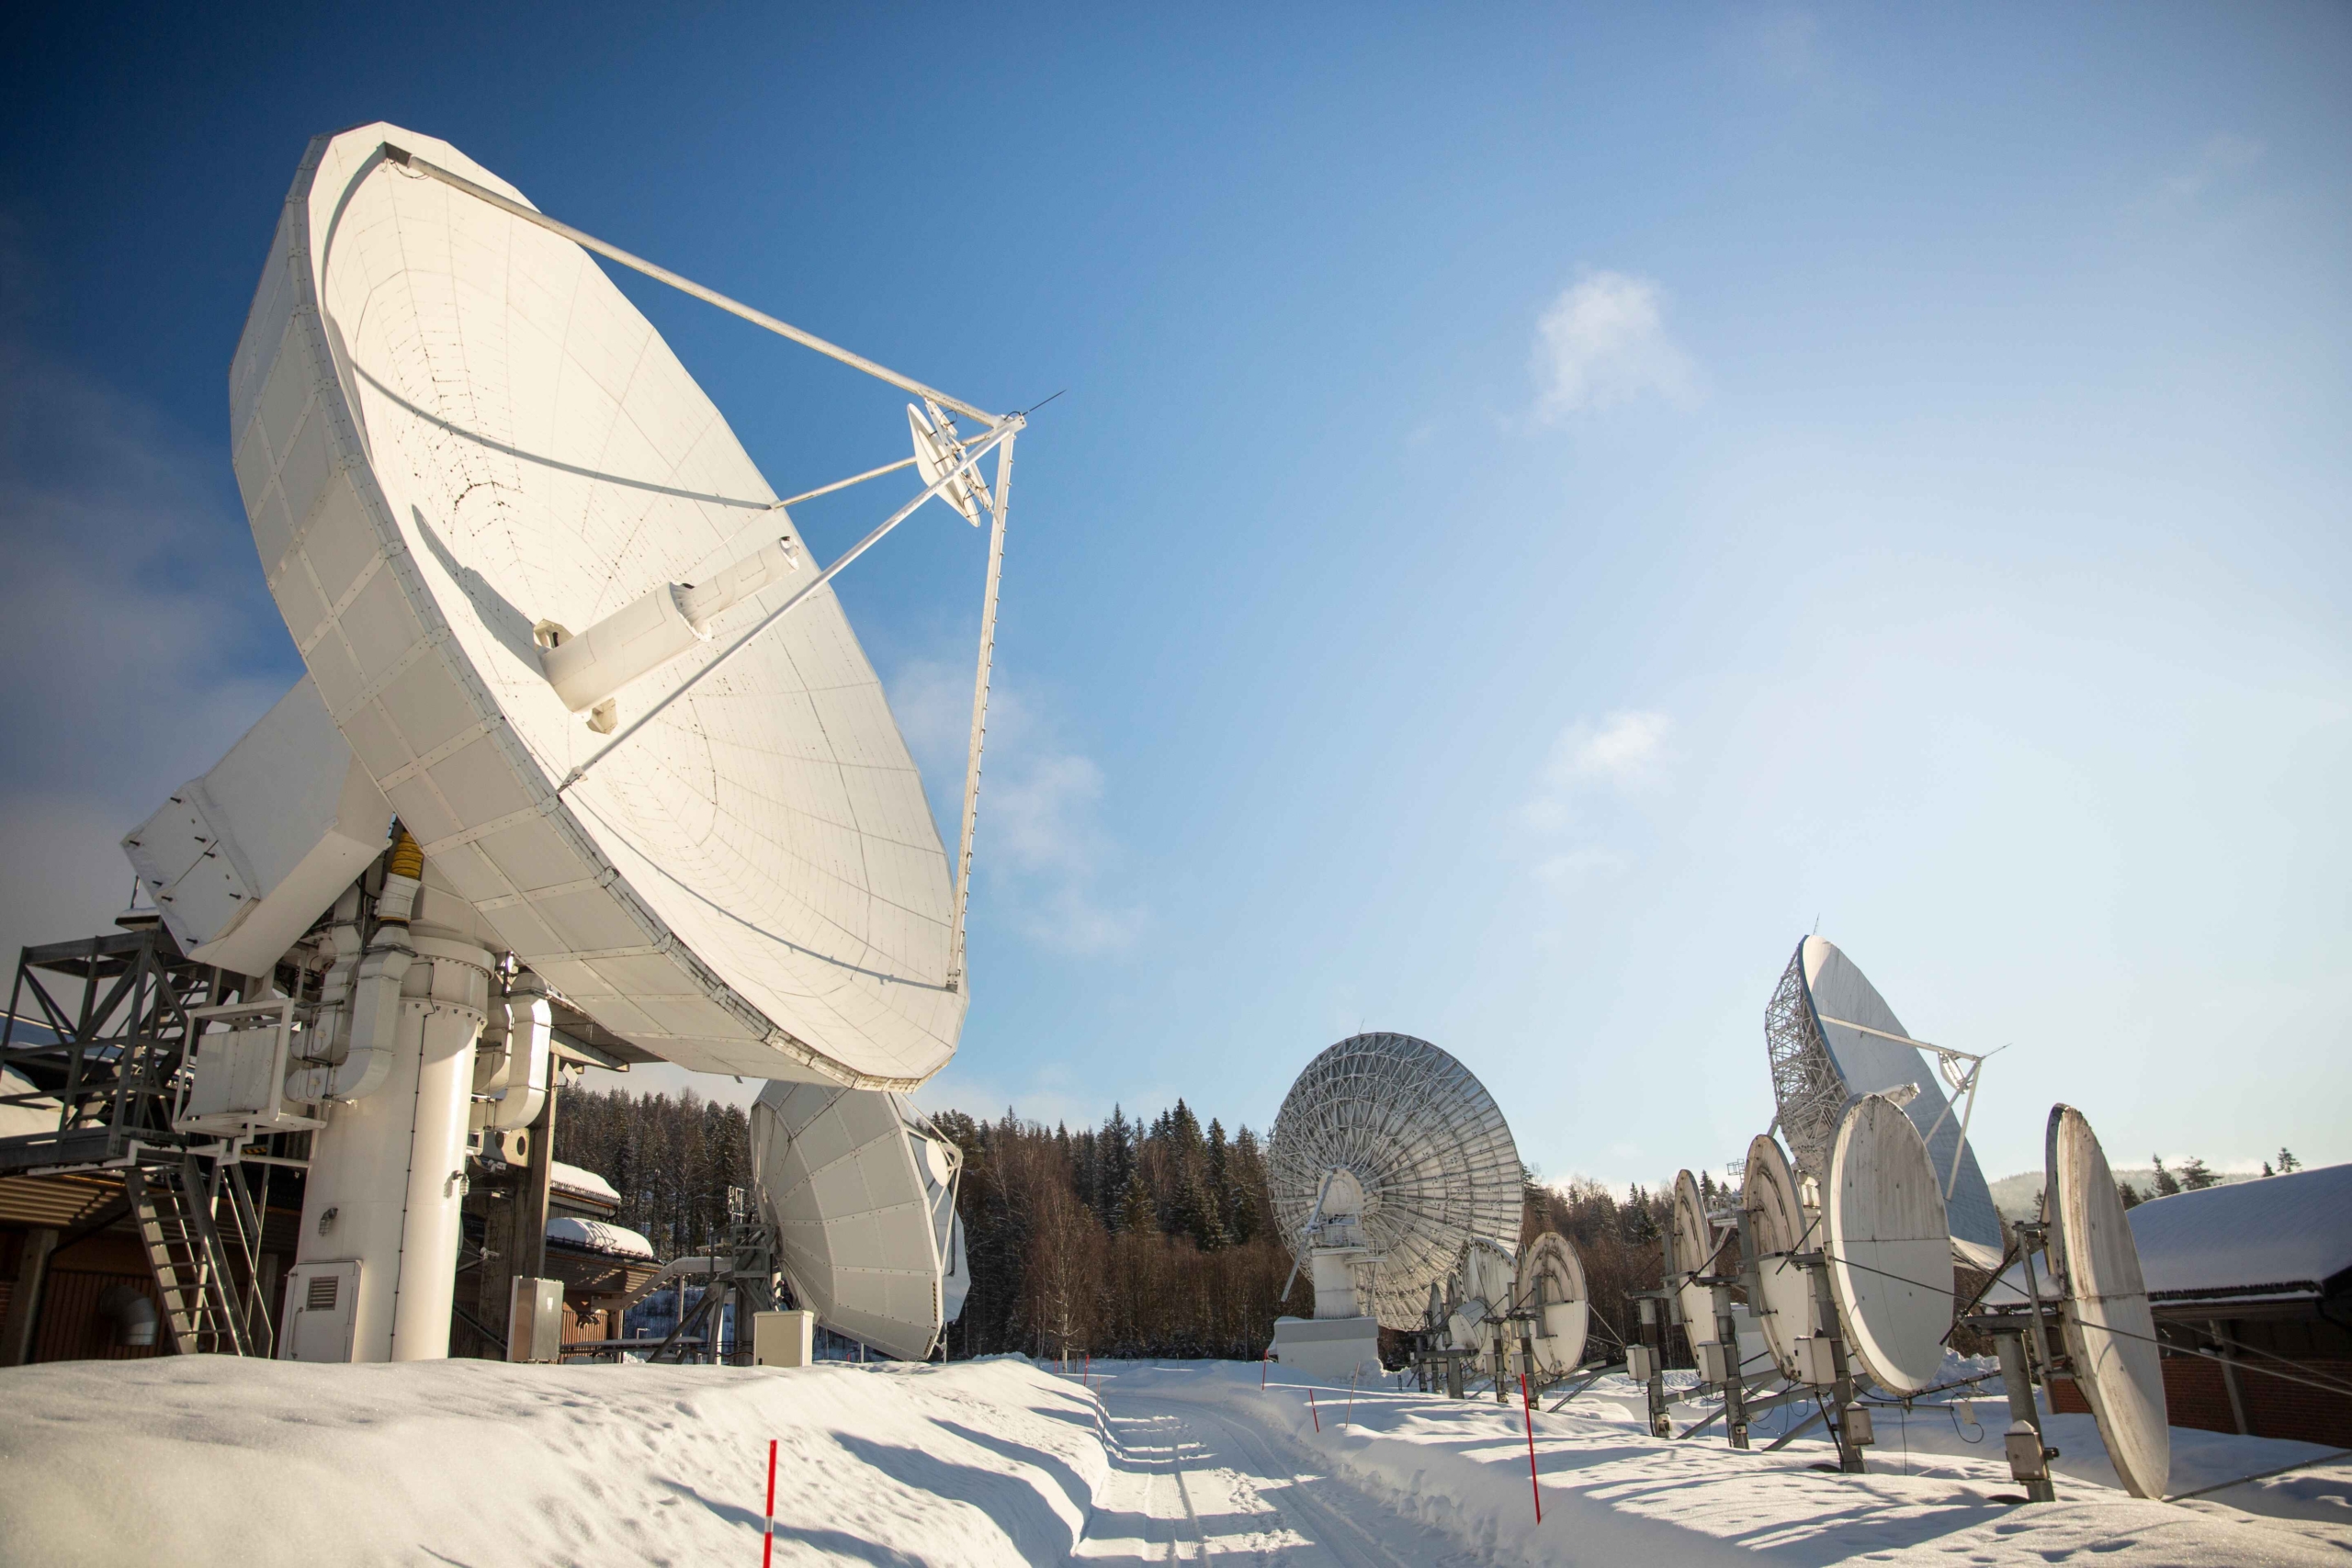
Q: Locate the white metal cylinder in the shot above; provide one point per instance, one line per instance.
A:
(638, 638)
(388, 1171)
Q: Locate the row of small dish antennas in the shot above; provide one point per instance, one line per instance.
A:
(1856, 1296)
(1532, 1306)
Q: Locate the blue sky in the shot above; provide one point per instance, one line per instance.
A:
(1547, 506)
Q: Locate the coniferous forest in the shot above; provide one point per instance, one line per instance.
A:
(1133, 1239)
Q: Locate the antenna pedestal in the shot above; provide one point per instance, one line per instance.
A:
(2030, 1455)
(1338, 1351)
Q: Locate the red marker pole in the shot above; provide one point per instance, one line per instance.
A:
(1263, 1361)
(1086, 1377)
(1312, 1411)
(767, 1536)
(1531, 1485)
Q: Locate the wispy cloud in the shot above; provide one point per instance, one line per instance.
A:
(1623, 753)
(2221, 158)
(139, 639)
(1603, 343)
(1041, 844)
(1570, 825)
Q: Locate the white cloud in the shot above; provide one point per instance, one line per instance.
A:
(1621, 753)
(1040, 846)
(1603, 342)
(139, 640)
(2222, 157)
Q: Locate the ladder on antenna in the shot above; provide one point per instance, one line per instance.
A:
(203, 1241)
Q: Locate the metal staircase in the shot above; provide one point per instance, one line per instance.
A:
(203, 1240)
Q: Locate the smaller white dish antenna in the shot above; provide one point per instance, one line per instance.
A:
(860, 1189)
(1782, 1224)
(1485, 1275)
(2110, 1332)
(1889, 1246)
(1550, 1289)
(1696, 1250)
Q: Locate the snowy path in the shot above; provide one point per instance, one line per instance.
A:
(1193, 1485)
(1205, 1466)
(198, 1461)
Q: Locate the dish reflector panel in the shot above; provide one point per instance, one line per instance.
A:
(860, 1191)
(2110, 1331)
(1552, 1285)
(1425, 1142)
(450, 428)
(1890, 1254)
(1695, 1253)
(1821, 1063)
(1781, 1225)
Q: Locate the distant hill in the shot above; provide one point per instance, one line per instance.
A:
(2015, 1195)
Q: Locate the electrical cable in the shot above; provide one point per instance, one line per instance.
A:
(2324, 1384)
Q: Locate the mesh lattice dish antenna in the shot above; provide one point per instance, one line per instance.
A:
(1552, 1287)
(1423, 1140)
(1890, 1253)
(861, 1190)
(1781, 1225)
(1832, 1038)
(2110, 1332)
(455, 438)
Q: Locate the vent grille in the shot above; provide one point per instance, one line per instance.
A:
(322, 1294)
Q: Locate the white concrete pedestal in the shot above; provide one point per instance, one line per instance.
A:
(1329, 1349)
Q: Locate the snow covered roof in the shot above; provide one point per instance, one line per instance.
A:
(584, 1183)
(617, 1241)
(2282, 1237)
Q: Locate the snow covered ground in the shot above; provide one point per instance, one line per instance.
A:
(211, 1459)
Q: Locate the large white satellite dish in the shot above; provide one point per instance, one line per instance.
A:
(1832, 1038)
(457, 440)
(1890, 1253)
(1781, 1225)
(860, 1189)
(2110, 1332)
(1421, 1141)
(1551, 1287)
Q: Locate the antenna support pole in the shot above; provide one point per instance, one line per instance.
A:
(410, 161)
(980, 711)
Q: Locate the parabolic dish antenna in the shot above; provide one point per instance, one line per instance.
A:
(456, 438)
(860, 1189)
(1890, 1254)
(1425, 1142)
(1551, 1285)
(2110, 1332)
(1781, 1225)
(1832, 1038)
(1695, 1253)
(1485, 1275)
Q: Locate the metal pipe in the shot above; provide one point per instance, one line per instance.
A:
(841, 484)
(1004, 432)
(408, 160)
(2030, 1470)
(980, 709)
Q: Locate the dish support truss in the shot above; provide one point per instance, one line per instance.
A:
(1806, 1085)
(959, 456)
(1811, 1093)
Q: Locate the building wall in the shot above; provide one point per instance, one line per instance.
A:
(2196, 1396)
